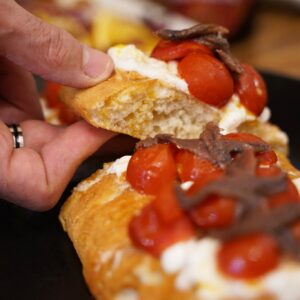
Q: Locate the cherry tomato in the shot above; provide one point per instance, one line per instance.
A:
(291, 195)
(51, 94)
(192, 167)
(214, 212)
(172, 50)
(265, 158)
(249, 256)
(204, 180)
(166, 204)
(151, 168)
(252, 90)
(208, 79)
(296, 230)
(148, 232)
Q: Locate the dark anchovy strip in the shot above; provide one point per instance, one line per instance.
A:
(211, 145)
(210, 35)
(269, 222)
(214, 42)
(230, 61)
(192, 32)
(240, 183)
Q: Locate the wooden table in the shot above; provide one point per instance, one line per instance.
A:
(274, 41)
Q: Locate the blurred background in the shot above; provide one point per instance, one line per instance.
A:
(265, 33)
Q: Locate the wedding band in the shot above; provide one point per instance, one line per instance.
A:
(17, 135)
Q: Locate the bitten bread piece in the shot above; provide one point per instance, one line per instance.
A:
(140, 107)
(96, 217)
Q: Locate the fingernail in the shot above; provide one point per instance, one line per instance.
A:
(96, 64)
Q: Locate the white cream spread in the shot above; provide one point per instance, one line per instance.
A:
(50, 114)
(194, 262)
(119, 166)
(234, 113)
(297, 183)
(129, 58)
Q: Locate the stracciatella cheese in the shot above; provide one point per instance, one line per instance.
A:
(129, 58)
(194, 263)
(234, 113)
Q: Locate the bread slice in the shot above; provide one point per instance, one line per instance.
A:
(140, 107)
(96, 218)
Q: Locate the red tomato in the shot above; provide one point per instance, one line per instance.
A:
(252, 90)
(265, 158)
(249, 256)
(172, 50)
(148, 232)
(296, 230)
(208, 79)
(151, 168)
(291, 195)
(204, 180)
(192, 167)
(214, 212)
(166, 204)
(51, 94)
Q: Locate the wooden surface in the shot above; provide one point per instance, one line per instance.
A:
(273, 43)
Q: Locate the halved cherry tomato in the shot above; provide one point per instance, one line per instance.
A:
(166, 204)
(265, 158)
(252, 90)
(214, 212)
(249, 256)
(204, 180)
(291, 195)
(192, 167)
(296, 230)
(208, 79)
(148, 232)
(151, 168)
(172, 50)
(51, 94)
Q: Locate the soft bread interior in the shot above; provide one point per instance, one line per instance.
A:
(140, 107)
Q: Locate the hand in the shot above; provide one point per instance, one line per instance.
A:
(35, 176)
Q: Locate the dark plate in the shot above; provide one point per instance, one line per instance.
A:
(37, 260)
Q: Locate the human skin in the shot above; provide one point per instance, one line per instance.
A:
(35, 176)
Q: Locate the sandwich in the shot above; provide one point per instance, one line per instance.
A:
(190, 79)
(217, 217)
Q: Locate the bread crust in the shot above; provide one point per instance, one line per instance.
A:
(140, 107)
(96, 218)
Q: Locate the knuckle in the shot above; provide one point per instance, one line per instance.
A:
(55, 47)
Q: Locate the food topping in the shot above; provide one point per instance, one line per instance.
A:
(209, 35)
(212, 73)
(208, 79)
(239, 182)
(236, 256)
(236, 195)
(151, 168)
(211, 145)
(252, 90)
(172, 50)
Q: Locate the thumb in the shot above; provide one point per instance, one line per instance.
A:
(48, 51)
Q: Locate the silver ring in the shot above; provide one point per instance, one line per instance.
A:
(17, 135)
